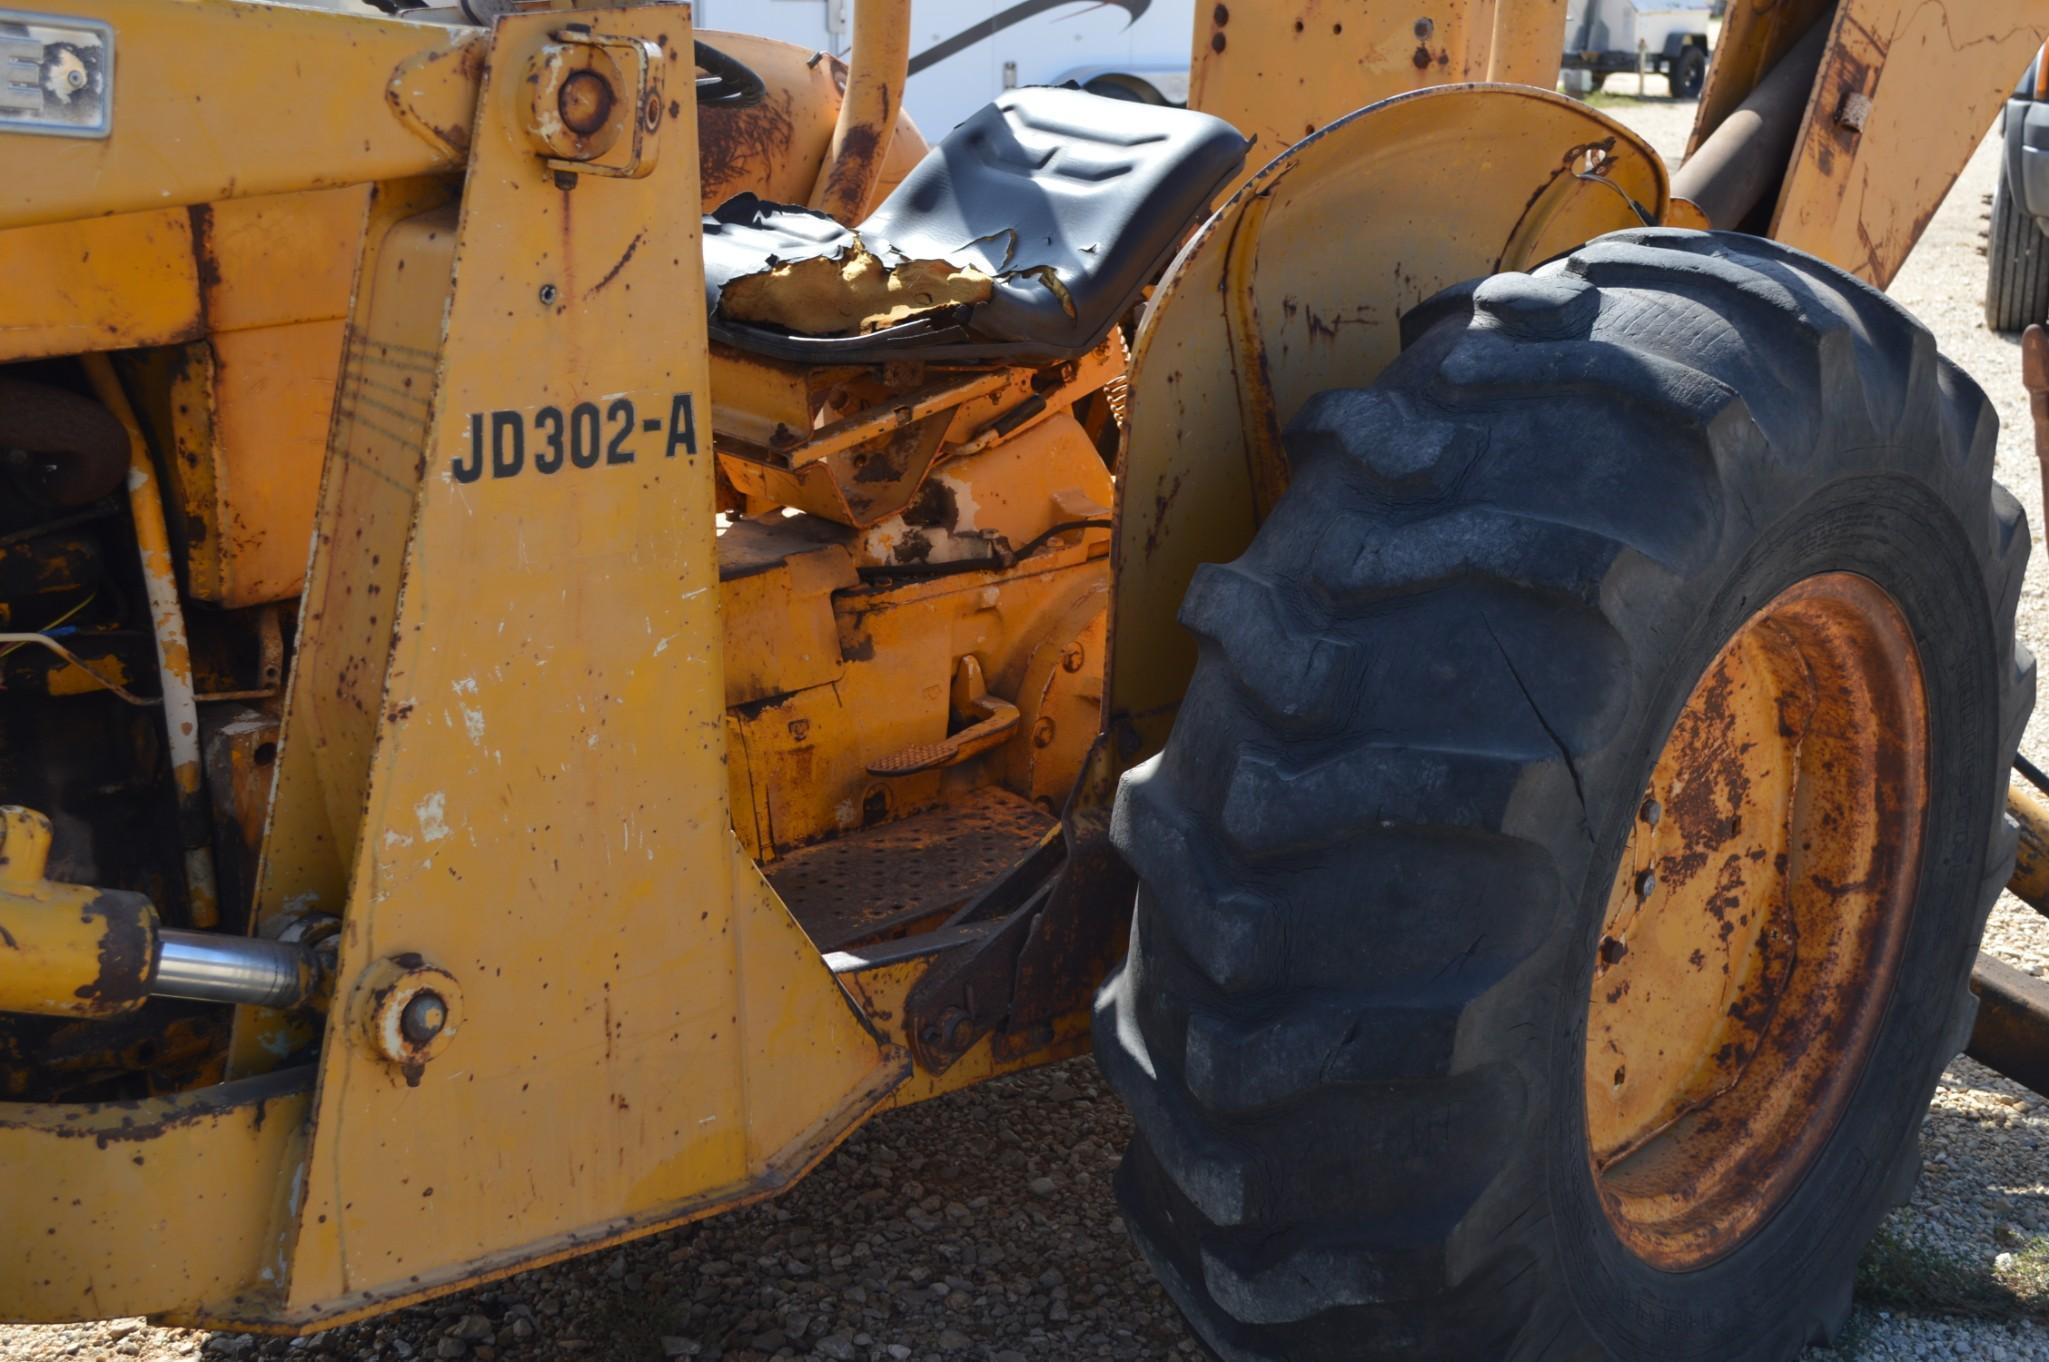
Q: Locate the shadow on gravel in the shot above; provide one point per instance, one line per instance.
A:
(1901, 1275)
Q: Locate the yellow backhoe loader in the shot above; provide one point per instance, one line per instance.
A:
(779, 591)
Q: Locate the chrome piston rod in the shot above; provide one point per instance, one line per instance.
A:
(208, 967)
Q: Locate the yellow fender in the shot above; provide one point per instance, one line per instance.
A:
(1298, 284)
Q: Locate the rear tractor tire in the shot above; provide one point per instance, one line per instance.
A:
(1559, 891)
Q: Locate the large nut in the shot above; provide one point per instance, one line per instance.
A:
(583, 103)
(411, 1011)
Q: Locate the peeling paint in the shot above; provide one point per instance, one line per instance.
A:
(433, 826)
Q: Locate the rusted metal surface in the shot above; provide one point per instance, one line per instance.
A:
(855, 486)
(842, 648)
(869, 111)
(2030, 812)
(2011, 1035)
(1879, 147)
(174, 656)
(1743, 161)
(241, 761)
(856, 446)
(56, 569)
(241, 415)
(101, 284)
(372, 472)
(434, 93)
(1060, 697)
(880, 882)
(891, 412)
(1502, 177)
(977, 723)
(596, 103)
(1257, 417)
(967, 994)
(1052, 942)
(2035, 378)
(777, 576)
(65, 448)
(777, 148)
(646, 1034)
(1756, 920)
(173, 1047)
(134, 1174)
(411, 1012)
(66, 950)
(1282, 70)
(171, 99)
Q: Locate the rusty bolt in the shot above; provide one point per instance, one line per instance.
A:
(578, 112)
(1042, 731)
(411, 1009)
(1216, 42)
(585, 102)
(1646, 884)
(1073, 659)
(1222, 15)
(951, 1030)
(800, 729)
(1651, 812)
(423, 1017)
(1424, 28)
(1853, 110)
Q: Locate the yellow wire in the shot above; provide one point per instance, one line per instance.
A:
(57, 623)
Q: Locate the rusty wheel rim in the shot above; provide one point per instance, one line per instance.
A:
(1756, 920)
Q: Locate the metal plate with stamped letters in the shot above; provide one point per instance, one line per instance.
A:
(56, 75)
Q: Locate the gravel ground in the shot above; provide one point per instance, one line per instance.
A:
(980, 1228)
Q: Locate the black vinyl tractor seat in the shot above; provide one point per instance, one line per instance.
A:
(1097, 191)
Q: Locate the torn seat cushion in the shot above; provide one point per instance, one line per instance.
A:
(1069, 202)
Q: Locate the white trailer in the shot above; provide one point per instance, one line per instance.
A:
(966, 52)
(1668, 37)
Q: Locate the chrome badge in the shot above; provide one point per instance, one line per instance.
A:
(56, 75)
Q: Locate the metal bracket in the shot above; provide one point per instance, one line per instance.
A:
(1064, 912)
(597, 103)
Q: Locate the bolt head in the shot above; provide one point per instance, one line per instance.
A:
(585, 102)
(955, 1029)
(423, 1018)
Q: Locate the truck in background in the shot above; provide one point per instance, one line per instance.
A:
(2017, 219)
(966, 52)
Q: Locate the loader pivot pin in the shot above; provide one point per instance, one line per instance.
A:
(423, 1018)
(586, 102)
